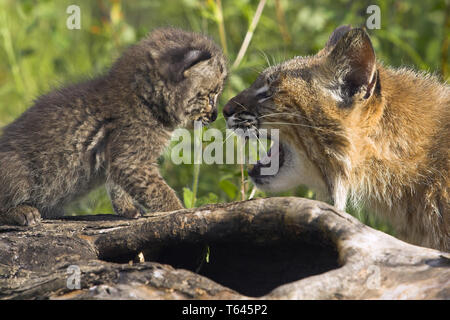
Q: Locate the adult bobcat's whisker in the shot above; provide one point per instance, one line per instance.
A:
(281, 113)
(241, 105)
(307, 126)
(259, 140)
(237, 122)
(228, 137)
(294, 124)
(265, 57)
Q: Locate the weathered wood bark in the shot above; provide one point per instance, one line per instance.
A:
(277, 248)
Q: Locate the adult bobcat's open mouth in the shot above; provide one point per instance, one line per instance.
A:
(270, 165)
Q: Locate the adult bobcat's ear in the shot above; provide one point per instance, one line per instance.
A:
(353, 60)
(337, 34)
(179, 61)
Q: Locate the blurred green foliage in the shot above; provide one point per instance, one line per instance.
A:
(38, 52)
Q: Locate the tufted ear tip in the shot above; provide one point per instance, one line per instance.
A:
(179, 60)
(337, 34)
(353, 58)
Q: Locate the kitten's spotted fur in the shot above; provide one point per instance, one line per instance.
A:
(110, 130)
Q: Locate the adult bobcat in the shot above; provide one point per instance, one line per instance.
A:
(351, 128)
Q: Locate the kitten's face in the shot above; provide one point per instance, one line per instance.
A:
(206, 80)
(192, 69)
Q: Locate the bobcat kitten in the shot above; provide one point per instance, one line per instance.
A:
(111, 129)
(351, 128)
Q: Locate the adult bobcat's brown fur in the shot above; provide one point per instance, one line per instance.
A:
(354, 129)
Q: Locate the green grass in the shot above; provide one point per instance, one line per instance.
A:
(38, 53)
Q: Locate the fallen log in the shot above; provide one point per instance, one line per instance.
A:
(275, 248)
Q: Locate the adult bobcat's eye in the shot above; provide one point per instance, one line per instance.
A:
(263, 95)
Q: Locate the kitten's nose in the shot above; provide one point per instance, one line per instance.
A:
(229, 109)
(214, 115)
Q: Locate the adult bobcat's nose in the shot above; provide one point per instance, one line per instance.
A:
(230, 108)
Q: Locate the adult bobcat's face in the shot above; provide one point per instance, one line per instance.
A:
(314, 102)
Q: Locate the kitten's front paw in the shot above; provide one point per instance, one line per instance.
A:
(166, 206)
(129, 212)
(132, 214)
(22, 216)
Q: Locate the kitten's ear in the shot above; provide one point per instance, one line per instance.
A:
(353, 60)
(179, 61)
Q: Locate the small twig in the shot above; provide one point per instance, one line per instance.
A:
(445, 43)
(282, 22)
(221, 25)
(198, 132)
(9, 48)
(249, 35)
(241, 154)
(252, 194)
(242, 183)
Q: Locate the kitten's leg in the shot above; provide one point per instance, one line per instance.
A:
(148, 188)
(22, 215)
(15, 186)
(53, 213)
(123, 204)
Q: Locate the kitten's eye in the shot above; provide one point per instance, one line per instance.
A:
(211, 101)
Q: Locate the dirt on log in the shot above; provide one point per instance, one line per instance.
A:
(275, 248)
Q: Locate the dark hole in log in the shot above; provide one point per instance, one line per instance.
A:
(255, 270)
(252, 269)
